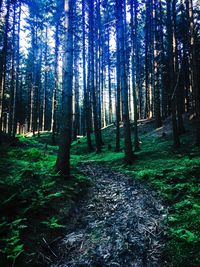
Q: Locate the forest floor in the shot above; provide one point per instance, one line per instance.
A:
(117, 224)
(108, 213)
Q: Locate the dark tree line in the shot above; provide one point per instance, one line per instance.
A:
(73, 67)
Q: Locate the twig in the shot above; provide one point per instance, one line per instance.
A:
(56, 239)
(91, 171)
(149, 232)
(49, 247)
(45, 257)
(57, 264)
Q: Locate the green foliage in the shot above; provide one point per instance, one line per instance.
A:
(173, 173)
(13, 246)
(53, 223)
(33, 199)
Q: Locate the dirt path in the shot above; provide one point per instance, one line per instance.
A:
(117, 224)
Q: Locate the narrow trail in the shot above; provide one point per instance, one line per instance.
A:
(117, 224)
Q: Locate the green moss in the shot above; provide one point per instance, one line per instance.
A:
(173, 173)
(31, 193)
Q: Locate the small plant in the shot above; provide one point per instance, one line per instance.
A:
(35, 154)
(53, 223)
(12, 243)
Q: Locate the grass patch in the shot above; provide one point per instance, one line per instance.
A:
(34, 202)
(173, 173)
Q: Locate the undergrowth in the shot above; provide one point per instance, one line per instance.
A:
(174, 174)
(34, 202)
(34, 189)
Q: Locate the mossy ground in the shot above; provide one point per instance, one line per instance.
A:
(35, 201)
(173, 173)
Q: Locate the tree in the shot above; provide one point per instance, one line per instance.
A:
(3, 64)
(148, 60)
(134, 59)
(158, 121)
(86, 104)
(118, 98)
(194, 70)
(54, 125)
(123, 78)
(13, 75)
(91, 76)
(16, 114)
(172, 68)
(63, 159)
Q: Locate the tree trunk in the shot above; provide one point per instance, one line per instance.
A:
(134, 22)
(91, 74)
(63, 159)
(13, 80)
(158, 121)
(55, 91)
(117, 148)
(18, 89)
(194, 72)
(76, 121)
(85, 86)
(44, 100)
(171, 69)
(124, 87)
(3, 65)
(109, 81)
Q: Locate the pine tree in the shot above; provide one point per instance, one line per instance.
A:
(124, 85)
(63, 159)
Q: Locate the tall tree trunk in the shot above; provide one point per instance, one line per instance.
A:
(161, 69)
(3, 65)
(98, 63)
(63, 159)
(92, 84)
(55, 91)
(109, 81)
(16, 118)
(86, 94)
(124, 87)
(134, 56)
(147, 61)
(194, 72)
(118, 115)
(171, 69)
(13, 75)
(76, 121)
(177, 72)
(158, 121)
(44, 100)
(34, 85)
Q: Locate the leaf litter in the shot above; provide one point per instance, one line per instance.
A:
(118, 223)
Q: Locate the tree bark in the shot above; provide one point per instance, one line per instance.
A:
(3, 65)
(118, 113)
(63, 159)
(171, 69)
(134, 22)
(194, 72)
(86, 104)
(157, 113)
(124, 87)
(91, 78)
